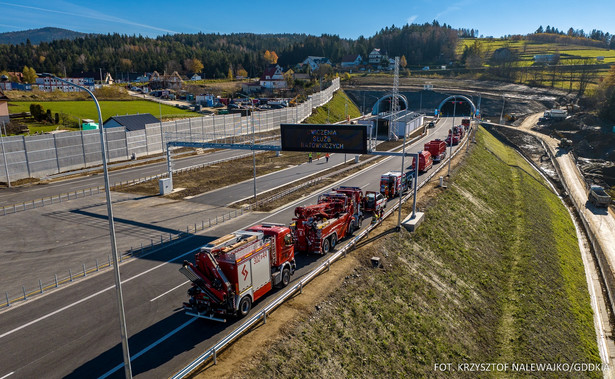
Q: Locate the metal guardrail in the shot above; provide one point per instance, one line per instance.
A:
(212, 352)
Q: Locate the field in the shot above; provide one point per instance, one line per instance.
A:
(334, 111)
(494, 274)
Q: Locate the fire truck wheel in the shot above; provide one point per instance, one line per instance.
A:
(285, 277)
(351, 229)
(244, 306)
(326, 246)
(333, 241)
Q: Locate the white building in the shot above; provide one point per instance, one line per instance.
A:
(273, 78)
(47, 84)
(315, 62)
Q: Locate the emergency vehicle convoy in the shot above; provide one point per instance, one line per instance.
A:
(232, 272)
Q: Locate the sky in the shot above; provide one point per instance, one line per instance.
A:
(348, 19)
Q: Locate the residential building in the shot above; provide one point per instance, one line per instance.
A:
(4, 108)
(251, 87)
(351, 60)
(5, 83)
(301, 76)
(49, 84)
(131, 122)
(195, 77)
(376, 56)
(315, 62)
(273, 78)
(165, 81)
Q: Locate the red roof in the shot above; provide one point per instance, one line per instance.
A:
(350, 58)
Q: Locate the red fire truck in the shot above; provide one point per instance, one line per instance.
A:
(425, 161)
(234, 271)
(437, 149)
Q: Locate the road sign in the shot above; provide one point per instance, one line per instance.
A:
(351, 139)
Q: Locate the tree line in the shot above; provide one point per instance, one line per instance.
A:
(219, 53)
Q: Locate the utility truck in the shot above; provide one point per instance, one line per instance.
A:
(232, 272)
(437, 149)
(598, 196)
(395, 183)
(425, 161)
(317, 228)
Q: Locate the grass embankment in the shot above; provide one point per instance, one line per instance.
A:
(334, 111)
(494, 274)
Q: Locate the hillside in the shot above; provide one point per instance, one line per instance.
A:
(37, 36)
(494, 274)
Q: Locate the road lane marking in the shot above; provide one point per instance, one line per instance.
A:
(132, 358)
(171, 290)
(90, 297)
(7, 375)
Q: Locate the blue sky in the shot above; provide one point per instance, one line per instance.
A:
(348, 19)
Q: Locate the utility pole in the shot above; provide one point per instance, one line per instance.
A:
(451, 139)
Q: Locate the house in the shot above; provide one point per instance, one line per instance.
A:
(131, 122)
(143, 78)
(351, 60)
(273, 78)
(4, 108)
(165, 81)
(376, 56)
(196, 77)
(5, 84)
(251, 87)
(108, 79)
(301, 76)
(50, 84)
(315, 62)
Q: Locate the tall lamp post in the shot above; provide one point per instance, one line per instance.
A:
(452, 135)
(116, 266)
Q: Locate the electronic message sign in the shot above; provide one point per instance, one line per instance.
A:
(344, 138)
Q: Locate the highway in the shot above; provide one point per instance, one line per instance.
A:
(74, 331)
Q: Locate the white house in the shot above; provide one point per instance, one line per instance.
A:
(375, 57)
(195, 77)
(273, 78)
(315, 62)
(352, 60)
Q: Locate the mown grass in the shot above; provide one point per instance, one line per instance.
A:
(494, 274)
(87, 109)
(334, 110)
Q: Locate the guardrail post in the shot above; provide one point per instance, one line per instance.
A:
(70, 275)
(215, 357)
(56, 279)
(40, 285)
(301, 287)
(8, 302)
(96, 264)
(84, 273)
(170, 237)
(24, 293)
(195, 227)
(264, 317)
(202, 224)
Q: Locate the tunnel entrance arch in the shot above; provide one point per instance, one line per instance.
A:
(456, 98)
(377, 107)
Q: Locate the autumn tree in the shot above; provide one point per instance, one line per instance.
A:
(402, 62)
(271, 57)
(194, 66)
(29, 75)
(230, 72)
(241, 72)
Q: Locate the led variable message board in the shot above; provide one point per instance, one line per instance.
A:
(345, 138)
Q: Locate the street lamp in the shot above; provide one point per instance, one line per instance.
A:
(452, 136)
(116, 266)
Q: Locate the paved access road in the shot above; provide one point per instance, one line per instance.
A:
(73, 332)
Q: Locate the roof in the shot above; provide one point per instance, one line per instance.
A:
(350, 58)
(134, 121)
(3, 96)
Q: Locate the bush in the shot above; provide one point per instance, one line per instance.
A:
(37, 112)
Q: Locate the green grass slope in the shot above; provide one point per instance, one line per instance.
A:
(494, 274)
(336, 110)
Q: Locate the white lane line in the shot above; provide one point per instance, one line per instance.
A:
(7, 375)
(132, 358)
(171, 290)
(89, 297)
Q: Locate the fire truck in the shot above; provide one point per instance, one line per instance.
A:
(425, 161)
(232, 272)
(338, 213)
(437, 148)
(374, 202)
(394, 183)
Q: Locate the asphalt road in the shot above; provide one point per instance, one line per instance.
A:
(73, 331)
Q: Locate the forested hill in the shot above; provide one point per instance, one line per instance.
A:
(420, 44)
(37, 36)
